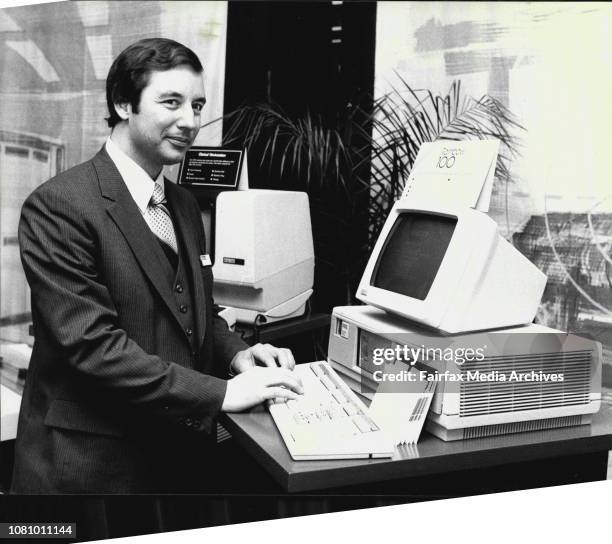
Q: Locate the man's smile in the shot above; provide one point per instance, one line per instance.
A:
(179, 141)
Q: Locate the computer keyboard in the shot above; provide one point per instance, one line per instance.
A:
(328, 421)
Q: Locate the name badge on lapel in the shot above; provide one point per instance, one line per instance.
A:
(205, 260)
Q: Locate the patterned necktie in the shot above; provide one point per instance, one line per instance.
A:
(159, 220)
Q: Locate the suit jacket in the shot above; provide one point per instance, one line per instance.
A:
(117, 399)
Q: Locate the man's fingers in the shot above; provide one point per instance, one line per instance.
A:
(291, 359)
(282, 359)
(285, 359)
(271, 356)
(279, 392)
(262, 353)
(271, 377)
(286, 378)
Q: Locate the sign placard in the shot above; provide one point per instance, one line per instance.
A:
(455, 173)
(213, 168)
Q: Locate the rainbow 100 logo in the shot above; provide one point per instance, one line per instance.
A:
(448, 157)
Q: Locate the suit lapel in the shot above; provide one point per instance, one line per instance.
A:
(186, 231)
(126, 215)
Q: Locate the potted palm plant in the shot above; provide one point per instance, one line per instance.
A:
(355, 169)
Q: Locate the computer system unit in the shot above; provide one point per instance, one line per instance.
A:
(264, 256)
(557, 375)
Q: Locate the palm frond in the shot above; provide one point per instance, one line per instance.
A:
(366, 157)
(405, 118)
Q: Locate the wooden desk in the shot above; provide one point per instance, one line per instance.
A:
(434, 467)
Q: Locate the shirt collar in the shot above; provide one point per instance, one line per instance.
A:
(139, 183)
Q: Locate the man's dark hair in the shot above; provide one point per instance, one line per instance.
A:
(130, 71)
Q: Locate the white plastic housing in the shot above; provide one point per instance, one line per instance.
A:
(264, 253)
(483, 281)
(491, 408)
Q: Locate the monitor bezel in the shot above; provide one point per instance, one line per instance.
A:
(452, 281)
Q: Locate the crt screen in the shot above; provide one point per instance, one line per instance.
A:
(412, 254)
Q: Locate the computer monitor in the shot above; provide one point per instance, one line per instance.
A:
(449, 269)
(264, 255)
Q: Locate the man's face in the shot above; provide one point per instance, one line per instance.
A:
(168, 118)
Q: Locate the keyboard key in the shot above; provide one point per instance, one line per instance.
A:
(337, 380)
(333, 413)
(316, 368)
(299, 419)
(373, 426)
(362, 423)
(339, 396)
(327, 383)
(351, 409)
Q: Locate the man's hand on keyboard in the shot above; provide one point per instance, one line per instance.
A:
(258, 384)
(262, 355)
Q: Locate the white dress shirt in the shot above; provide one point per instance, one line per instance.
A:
(139, 183)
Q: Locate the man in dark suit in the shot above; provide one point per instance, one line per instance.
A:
(131, 365)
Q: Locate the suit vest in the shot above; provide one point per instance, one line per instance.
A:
(178, 277)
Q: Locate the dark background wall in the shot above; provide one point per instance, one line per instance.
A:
(287, 52)
(317, 58)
